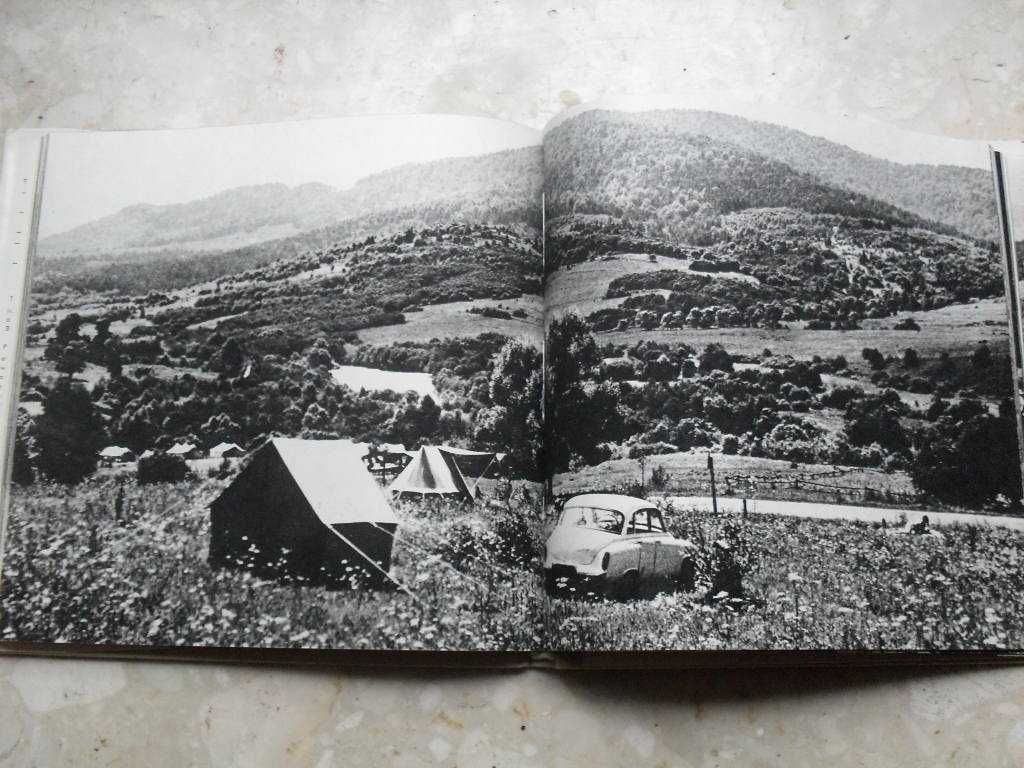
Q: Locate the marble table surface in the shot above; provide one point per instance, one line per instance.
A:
(953, 68)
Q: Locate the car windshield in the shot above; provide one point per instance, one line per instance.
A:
(608, 520)
(646, 520)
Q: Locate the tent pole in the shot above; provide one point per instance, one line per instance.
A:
(368, 559)
(493, 459)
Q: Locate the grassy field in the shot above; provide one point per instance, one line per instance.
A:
(687, 475)
(817, 584)
(452, 320)
(956, 329)
(582, 288)
(75, 571)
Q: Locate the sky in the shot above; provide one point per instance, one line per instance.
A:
(93, 174)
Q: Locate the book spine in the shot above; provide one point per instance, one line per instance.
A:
(1012, 286)
(21, 181)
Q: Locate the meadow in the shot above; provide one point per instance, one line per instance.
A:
(110, 562)
(956, 329)
(582, 287)
(818, 584)
(113, 563)
(453, 320)
(685, 473)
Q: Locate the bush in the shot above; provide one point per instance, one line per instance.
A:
(715, 358)
(694, 433)
(659, 478)
(873, 357)
(515, 541)
(641, 450)
(161, 468)
(729, 565)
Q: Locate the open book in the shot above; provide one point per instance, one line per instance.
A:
(655, 378)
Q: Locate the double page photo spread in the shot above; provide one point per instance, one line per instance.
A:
(656, 378)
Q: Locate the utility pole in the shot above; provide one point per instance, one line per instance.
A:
(714, 495)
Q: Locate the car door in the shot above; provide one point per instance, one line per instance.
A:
(658, 559)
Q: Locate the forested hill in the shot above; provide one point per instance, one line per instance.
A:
(682, 168)
(498, 186)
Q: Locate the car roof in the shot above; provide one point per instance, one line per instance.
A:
(625, 504)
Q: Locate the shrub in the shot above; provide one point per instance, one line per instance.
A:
(873, 357)
(161, 468)
(659, 478)
(729, 565)
(641, 450)
(694, 433)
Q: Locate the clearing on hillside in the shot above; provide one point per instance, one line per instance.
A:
(956, 329)
(357, 377)
(453, 320)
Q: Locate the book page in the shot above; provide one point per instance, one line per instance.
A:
(779, 388)
(281, 389)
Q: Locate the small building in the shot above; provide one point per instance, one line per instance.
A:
(116, 454)
(186, 451)
(146, 454)
(226, 451)
(305, 510)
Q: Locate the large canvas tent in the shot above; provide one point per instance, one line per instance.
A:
(443, 471)
(306, 509)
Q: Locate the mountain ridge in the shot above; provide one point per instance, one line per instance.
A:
(951, 195)
(505, 178)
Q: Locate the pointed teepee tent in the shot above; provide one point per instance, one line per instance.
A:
(442, 471)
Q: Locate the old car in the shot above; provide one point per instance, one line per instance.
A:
(607, 545)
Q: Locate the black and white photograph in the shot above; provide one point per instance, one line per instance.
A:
(779, 394)
(281, 388)
(651, 379)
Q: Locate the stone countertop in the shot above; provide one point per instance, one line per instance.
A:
(82, 713)
(954, 68)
